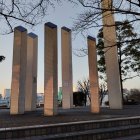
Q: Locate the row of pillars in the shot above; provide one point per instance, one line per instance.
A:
(24, 72)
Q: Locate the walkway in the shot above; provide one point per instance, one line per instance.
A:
(72, 115)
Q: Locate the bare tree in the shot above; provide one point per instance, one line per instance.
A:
(93, 13)
(103, 91)
(84, 87)
(32, 12)
(23, 11)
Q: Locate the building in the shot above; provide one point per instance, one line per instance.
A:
(7, 93)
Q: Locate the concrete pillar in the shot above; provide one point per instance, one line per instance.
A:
(31, 72)
(111, 58)
(50, 70)
(93, 75)
(19, 71)
(66, 52)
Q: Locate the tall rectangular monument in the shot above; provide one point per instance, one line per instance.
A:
(17, 105)
(111, 57)
(66, 52)
(31, 72)
(93, 75)
(50, 70)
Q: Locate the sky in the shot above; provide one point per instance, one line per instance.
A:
(63, 15)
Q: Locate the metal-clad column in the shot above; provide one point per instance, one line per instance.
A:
(111, 57)
(17, 104)
(31, 72)
(93, 75)
(50, 70)
(67, 84)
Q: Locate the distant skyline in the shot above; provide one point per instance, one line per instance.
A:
(60, 18)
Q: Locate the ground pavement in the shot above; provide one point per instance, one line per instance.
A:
(71, 115)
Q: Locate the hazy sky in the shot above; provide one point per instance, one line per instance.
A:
(63, 15)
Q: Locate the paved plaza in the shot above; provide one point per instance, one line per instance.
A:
(67, 115)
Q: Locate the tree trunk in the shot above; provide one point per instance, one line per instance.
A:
(120, 61)
(85, 99)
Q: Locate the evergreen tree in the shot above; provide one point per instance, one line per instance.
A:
(128, 51)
